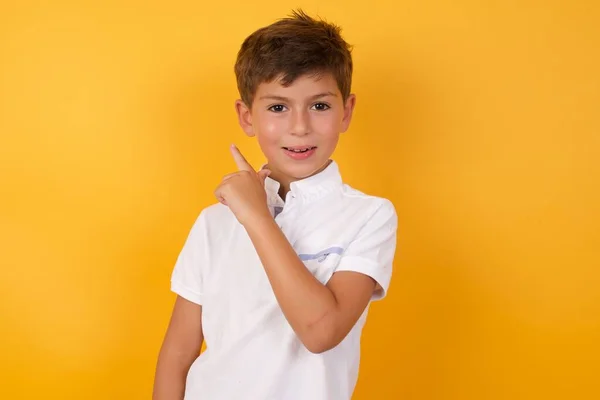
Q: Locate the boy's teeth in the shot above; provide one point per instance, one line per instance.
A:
(299, 150)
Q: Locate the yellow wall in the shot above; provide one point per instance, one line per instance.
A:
(480, 121)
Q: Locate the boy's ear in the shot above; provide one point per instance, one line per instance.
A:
(244, 117)
(348, 110)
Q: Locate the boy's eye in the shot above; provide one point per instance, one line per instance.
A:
(277, 108)
(321, 106)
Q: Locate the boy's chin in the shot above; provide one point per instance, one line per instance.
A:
(297, 171)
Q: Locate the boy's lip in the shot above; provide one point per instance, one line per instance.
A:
(309, 147)
(299, 153)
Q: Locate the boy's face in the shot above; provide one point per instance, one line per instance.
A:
(298, 126)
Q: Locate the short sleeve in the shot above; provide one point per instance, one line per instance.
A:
(372, 251)
(187, 276)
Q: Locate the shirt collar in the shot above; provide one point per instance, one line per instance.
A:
(307, 189)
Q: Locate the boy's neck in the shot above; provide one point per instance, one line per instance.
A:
(285, 181)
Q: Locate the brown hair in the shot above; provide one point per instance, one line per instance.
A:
(290, 48)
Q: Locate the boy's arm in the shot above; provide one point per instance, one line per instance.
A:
(180, 348)
(321, 315)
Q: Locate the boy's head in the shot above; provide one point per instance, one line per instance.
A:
(294, 78)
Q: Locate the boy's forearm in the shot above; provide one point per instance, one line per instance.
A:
(169, 386)
(303, 299)
(169, 383)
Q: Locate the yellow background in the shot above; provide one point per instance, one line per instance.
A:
(479, 120)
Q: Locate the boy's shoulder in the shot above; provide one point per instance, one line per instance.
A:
(217, 214)
(352, 194)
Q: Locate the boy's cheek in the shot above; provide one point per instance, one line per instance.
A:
(272, 127)
(328, 127)
(269, 145)
(271, 130)
(327, 124)
(271, 134)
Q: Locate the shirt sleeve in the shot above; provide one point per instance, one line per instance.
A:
(187, 276)
(372, 251)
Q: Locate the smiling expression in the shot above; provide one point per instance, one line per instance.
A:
(297, 126)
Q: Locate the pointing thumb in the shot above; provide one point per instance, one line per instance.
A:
(262, 174)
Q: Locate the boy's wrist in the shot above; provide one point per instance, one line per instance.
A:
(258, 219)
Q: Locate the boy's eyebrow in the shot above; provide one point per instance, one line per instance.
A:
(282, 98)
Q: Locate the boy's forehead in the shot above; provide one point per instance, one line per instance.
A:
(305, 86)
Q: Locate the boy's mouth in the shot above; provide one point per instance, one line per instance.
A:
(300, 149)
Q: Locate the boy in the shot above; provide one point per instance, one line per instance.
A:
(277, 278)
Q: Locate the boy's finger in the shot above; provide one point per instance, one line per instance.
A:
(240, 161)
(229, 176)
(262, 174)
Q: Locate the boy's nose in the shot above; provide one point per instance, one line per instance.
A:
(300, 123)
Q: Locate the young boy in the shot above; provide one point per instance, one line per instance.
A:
(277, 278)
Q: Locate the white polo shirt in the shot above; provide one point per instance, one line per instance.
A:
(251, 350)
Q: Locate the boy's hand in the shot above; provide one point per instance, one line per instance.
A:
(244, 191)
